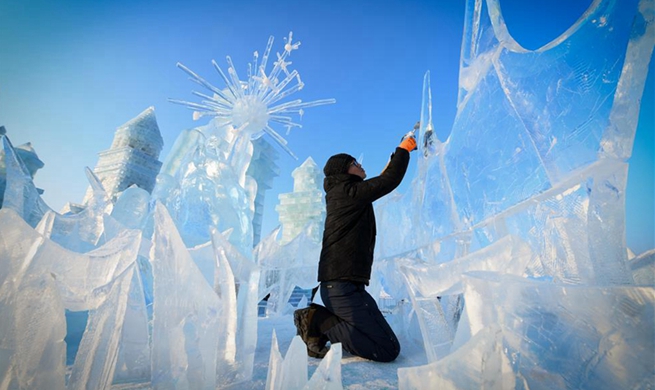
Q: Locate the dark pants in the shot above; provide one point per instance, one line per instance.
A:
(362, 329)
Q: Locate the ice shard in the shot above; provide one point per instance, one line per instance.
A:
(184, 337)
(133, 363)
(274, 365)
(20, 193)
(236, 272)
(328, 374)
(95, 363)
(32, 323)
(293, 373)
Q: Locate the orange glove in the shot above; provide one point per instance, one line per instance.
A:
(409, 144)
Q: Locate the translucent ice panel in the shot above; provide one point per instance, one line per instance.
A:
(285, 266)
(537, 149)
(274, 364)
(508, 255)
(577, 227)
(480, 364)
(185, 329)
(131, 207)
(328, 374)
(32, 322)
(96, 358)
(564, 336)
(133, 360)
(81, 277)
(236, 281)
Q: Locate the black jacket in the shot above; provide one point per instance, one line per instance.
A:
(349, 236)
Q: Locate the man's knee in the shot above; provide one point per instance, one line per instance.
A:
(386, 353)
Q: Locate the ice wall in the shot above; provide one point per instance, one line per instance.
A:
(530, 183)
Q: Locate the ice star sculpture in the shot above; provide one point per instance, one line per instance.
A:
(248, 106)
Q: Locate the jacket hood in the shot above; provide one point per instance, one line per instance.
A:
(330, 181)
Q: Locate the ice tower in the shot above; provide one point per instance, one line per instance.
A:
(133, 157)
(263, 169)
(305, 205)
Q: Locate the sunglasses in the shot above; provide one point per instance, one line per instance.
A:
(355, 163)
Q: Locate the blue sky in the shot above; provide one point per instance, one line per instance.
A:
(71, 72)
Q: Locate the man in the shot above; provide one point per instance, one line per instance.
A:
(351, 316)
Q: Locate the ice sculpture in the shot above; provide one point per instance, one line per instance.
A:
(247, 106)
(157, 310)
(206, 179)
(305, 204)
(133, 158)
(535, 164)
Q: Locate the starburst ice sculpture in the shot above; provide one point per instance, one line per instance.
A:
(249, 106)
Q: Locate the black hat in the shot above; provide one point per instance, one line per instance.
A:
(337, 164)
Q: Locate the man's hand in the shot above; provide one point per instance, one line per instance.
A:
(408, 143)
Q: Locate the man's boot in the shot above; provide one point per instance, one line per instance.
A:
(309, 331)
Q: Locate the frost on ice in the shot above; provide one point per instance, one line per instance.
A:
(508, 249)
